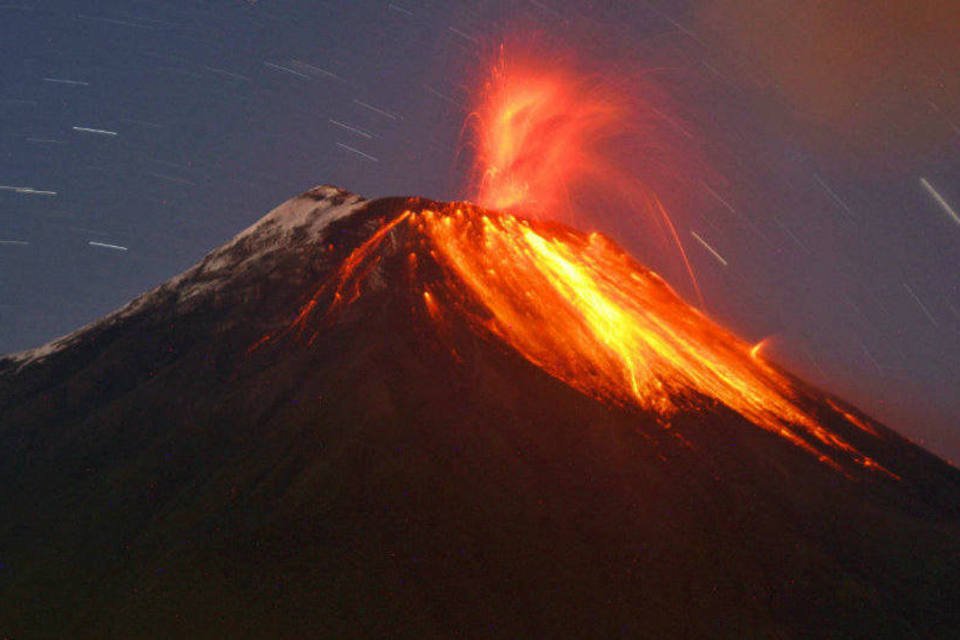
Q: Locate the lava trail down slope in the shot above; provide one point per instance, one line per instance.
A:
(407, 418)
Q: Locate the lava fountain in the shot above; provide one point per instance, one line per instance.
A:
(545, 145)
(537, 135)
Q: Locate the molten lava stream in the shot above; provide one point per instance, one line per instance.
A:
(584, 311)
(587, 313)
(575, 304)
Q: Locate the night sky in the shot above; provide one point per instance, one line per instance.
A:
(137, 136)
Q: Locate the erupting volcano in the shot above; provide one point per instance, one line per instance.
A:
(583, 310)
(573, 303)
(421, 419)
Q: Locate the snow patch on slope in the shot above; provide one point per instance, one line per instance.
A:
(302, 220)
(298, 221)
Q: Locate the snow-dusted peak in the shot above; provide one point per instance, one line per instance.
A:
(311, 211)
(300, 220)
(294, 226)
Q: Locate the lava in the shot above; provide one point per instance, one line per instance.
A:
(574, 304)
(537, 135)
(587, 313)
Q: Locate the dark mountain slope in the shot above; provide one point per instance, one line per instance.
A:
(162, 477)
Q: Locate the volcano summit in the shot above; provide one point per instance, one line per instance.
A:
(407, 418)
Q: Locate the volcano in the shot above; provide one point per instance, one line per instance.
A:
(405, 418)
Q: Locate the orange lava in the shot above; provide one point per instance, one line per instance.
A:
(575, 304)
(584, 311)
(537, 135)
(852, 419)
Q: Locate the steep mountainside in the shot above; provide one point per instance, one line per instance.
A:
(306, 436)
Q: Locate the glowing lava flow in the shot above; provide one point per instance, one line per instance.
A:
(575, 304)
(584, 311)
(588, 314)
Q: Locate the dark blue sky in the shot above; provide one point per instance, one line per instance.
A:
(166, 128)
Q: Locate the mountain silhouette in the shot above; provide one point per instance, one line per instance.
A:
(366, 418)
